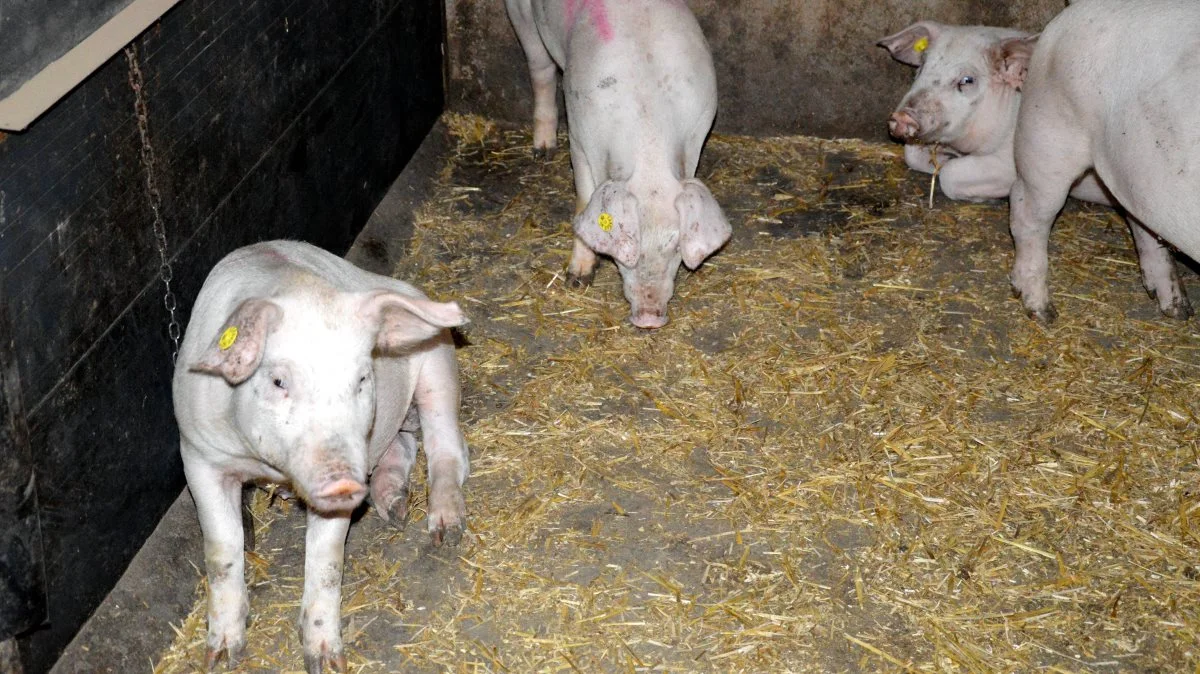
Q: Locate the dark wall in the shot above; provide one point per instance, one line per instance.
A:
(783, 66)
(36, 33)
(274, 118)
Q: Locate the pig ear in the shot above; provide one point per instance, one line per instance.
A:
(702, 226)
(407, 321)
(909, 45)
(1010, 59)
(237, 348)
(609, 224)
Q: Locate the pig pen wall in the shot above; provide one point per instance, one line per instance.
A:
(276, 118)
(787, 66)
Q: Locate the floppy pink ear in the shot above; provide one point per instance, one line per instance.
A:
(407, 321)
(609, 224)
(909, 45)
(1010, 59)
(237, 348)
(702, 226)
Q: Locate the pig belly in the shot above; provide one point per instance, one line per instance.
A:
(1150, 161)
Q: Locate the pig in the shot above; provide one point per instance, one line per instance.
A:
(961, 112)
(641, 96)
(299, 368)
(1112, 88)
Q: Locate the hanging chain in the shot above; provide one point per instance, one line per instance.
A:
(165, 272)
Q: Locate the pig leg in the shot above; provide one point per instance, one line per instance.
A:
(582, 267)
(544, 75)
(1050, 158)
(977, 177)
(964, 178)
(919, 157)
(1158, 272)
(218, 502)
(389, 482)
(436, 398)
(321, 604)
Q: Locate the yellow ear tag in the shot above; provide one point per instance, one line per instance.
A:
(605, 222)
(921, 45)
(228, 338)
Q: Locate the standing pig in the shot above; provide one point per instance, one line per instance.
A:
(299, 368)
(641, 95)
(962, 111)
(1112, 87)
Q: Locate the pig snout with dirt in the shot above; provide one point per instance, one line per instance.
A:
(959, 118)
(641, 96)
(299, 368)
(1112, 87)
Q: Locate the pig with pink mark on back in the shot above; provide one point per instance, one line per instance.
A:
(641, 96)
(299, 368)
(960, 116)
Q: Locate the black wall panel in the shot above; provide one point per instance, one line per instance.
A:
(271, 118)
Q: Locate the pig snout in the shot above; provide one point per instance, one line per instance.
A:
(649, 319)
(903, 126)
(337, 493)
(648, 302)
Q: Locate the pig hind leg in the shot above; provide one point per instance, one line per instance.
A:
(1159, 274)
(1050, 158)
(543, 73)
(389, 481)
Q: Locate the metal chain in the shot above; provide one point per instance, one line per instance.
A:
(165, 272)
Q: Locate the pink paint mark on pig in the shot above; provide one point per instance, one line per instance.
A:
(597, 14)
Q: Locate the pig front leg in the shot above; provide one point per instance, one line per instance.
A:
(965, 178)
(919, 157)
(581, 270)
(321, 605)
(1032, 212)
(1159, 275)
(218, 498)
(1051, 154)
(389, 481)
(436, 398)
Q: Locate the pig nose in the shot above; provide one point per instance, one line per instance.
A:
(902, 126)
(649, 320)
(339, 493)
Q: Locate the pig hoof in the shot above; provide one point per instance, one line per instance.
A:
(580, 281)
(395, 511)
(1045, 316)
(543, 153)
(315, 663)
(446, 535)
(230, 652)
(1180, 310)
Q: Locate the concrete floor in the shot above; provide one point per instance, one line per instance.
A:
(129, 631)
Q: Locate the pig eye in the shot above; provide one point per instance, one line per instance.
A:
(279, 383)
(965, 82)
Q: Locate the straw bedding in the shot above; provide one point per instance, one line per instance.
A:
(848, 451)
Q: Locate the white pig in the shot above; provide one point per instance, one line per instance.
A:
(962, 110)
(641, 96)
(1112, 87)
(299, 368)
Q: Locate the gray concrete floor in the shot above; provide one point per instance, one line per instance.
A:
(133, 625)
